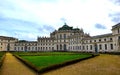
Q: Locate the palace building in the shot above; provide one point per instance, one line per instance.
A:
(66, 38)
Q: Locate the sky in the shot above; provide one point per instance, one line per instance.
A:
(29, 19)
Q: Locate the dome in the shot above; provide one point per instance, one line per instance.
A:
(65, 27)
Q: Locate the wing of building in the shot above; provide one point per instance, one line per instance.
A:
(7, 43)
(66, 38)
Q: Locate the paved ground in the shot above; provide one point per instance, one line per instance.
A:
(12, 66)
(101, 65)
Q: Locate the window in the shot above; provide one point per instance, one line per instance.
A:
(99, 40)
(110, 39)
(118, 30)
(15, 48)
(80, 47)
(87, 47)
(32, 48)
(60, 47)
(60, 36)
(100, 46)
(35, 48)
(28, 48)
(90, 47)
(119, 37)
(57, 47)
(21, 48)
(104, 39)
(18, 48)
(90, 41)
(111, 46)
(83, 47)
(64, 36)
(94, 40)
(105, 46)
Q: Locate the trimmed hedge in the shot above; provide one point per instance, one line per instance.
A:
(43, 53)
(113, 53)
(63, 64)
(2, 59)
(30, 65)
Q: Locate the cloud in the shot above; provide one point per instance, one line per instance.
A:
(117, 2)
(19, 28)
(16, 24)
(46, 29)
(40, 17)
(115, 17)
(99, 26)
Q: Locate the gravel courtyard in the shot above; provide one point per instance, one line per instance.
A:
(101, 65)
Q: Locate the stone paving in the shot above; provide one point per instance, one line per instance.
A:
(12, 66)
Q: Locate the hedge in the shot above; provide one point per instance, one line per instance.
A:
(49, 68)
(2, 59)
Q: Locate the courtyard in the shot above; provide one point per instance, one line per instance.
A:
(104, 64)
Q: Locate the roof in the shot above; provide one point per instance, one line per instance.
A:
(116, 26)
(7, 38)
(101, 36)
(65, 27)
(76, 29)
(24, 41)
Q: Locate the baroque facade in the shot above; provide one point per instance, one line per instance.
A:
(66, 38)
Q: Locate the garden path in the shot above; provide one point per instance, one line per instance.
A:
(12, 66)
(101, 65)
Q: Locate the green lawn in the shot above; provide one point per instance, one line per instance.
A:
(45, 61)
